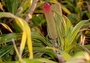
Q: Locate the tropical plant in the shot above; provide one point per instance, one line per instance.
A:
(50, 34)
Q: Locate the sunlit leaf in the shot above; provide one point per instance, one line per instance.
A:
(22, 45)
(6, 26)
(24, 26)
(76, 30)
(65, 10)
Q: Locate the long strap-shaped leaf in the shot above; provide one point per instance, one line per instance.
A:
(26, 32)
(6, 26)
(76, 30)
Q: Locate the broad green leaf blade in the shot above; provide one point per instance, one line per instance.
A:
(76, 30)
(16, 27)
(12, 5)
(27, 60)
(5, 14)
(67, 31)
(8, 37)
(68, 26)
(46, 51)
(68, 48)
(5, 50)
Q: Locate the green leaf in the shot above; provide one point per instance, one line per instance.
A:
(80, 57)
(68, 48)
(45, 60)
(24, 26)
(65, 10)
(65, 55)
(75, 30)
(36, 20)
(5, 50)
(25, 6)
(8, 62)
(88, 15)
(46, 51)
(12, 5)
(9, 37)
(73, 18)
(27, 60)
(37, 36)
(16, 27)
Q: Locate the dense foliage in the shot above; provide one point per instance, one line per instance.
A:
(44, 31)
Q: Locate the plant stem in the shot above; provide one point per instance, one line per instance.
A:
(29, 15)
(20, 58)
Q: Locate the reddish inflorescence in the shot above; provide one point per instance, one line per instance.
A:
(46, 7)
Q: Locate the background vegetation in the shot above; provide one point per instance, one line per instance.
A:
(44, 31)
